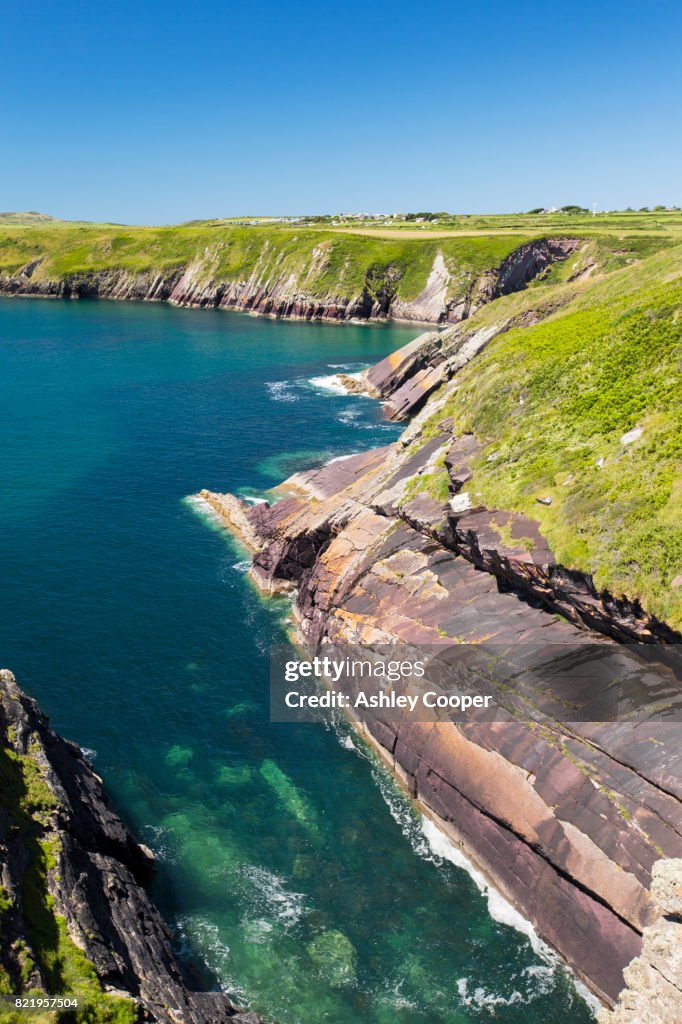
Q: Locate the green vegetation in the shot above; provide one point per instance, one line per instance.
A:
(557, 403)
(434, 484)
(322, 261)
(324, 256)
(30, 803)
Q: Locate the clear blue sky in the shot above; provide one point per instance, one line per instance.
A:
(150, 112)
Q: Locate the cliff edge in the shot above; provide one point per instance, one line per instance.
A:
(74, 914)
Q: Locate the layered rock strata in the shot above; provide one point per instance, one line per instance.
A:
(95, 879)
(284, 295)
(406, 378)
(567, 820)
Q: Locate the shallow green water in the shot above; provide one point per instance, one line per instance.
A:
(289, 864)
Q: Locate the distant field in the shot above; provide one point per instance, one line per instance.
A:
(624, 223)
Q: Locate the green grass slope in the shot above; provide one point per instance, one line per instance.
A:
(554, 403)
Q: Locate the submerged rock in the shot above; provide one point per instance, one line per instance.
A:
(334, 956)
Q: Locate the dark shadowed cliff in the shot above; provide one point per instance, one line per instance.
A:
(74, 914)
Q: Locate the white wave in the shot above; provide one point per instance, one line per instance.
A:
(271, 898)
(429, 842)
(341, 458)
(200, 507)
(280, 391)
(349, 416)
(543, 976)
(401, 811)
(537, 980)
(199, 934)
(358, 367)
(593, 1003)
(242, 566)
(481, 997)
(89, 753)
(329, 383)
(499, 908)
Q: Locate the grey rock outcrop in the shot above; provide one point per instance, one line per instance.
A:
(653, 992)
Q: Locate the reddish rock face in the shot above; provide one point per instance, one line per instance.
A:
(567, 821)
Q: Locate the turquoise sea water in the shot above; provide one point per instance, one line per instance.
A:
(291, 868)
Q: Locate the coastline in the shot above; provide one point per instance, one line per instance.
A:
(274, 292)
(316, 544)
(65, 844)
(371, 321)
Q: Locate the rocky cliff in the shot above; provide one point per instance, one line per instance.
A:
(389, 546)
(653, 993)
(74, 913)
(451, 293)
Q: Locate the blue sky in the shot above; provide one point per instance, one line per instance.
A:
(154, 112)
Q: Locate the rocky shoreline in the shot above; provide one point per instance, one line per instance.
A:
(567, 821)
(73, 877)
(284, 295)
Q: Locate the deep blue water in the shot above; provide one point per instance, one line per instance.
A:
(289, 864)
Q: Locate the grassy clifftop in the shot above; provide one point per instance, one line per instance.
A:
(323, 261)
(319, 261)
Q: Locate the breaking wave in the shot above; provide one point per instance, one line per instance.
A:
(329, 383)
(281, 391)
(269, 898)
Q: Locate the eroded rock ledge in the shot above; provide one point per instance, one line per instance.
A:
(567, 821)
(94, 877)
(286, 296)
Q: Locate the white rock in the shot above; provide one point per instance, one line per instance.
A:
(460, 502)
(632, 435)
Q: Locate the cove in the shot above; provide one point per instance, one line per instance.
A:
(292, 870)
